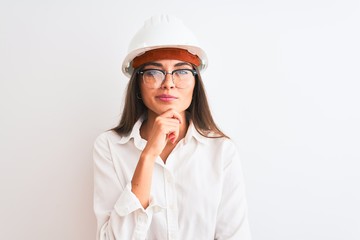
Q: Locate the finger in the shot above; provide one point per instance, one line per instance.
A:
(172, 137)
(174, 133)
(177, 116)
(172, 114)
(166, 125)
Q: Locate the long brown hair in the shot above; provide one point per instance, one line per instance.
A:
(198, 111)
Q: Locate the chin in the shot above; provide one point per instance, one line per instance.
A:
(161, 110)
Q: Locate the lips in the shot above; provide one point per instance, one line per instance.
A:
(166, 97)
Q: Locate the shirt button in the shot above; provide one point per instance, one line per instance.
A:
(168, 178)
(142, 219)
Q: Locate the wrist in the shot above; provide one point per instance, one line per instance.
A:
(148, 156)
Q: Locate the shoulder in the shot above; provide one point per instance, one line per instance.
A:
(106, 138)
(103, 145)
(223, 142)
(223, 148)
(228, 145)
(221, 145)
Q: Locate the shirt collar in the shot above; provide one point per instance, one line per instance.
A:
(135, 134)
(193, 133)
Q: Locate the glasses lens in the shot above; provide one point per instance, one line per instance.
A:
(153, 78)
(183, 78)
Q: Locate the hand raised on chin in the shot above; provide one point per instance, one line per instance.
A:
(166, 127)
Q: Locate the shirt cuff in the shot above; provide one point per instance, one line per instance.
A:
(127, 202)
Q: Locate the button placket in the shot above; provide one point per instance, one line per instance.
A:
(142, 225)
(171, 210)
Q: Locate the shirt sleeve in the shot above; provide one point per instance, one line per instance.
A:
(119, 213)
(232, 219)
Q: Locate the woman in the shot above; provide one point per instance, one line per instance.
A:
(167, 171)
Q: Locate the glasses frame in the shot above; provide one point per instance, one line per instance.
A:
(142, 71)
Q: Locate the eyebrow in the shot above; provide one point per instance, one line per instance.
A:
(179, 64)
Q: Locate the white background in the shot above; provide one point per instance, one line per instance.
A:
(283, 82)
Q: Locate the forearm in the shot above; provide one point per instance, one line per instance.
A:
(141, 181)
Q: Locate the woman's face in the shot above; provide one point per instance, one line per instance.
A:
(166, 94)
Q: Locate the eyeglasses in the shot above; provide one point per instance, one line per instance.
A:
(153, 78)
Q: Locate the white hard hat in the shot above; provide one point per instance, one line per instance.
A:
(163, 31)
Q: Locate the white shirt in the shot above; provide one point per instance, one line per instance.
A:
(198, 194)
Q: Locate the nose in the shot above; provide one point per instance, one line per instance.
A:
(168, 82)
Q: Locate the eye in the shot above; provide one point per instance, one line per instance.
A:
(151, 73)
(182, 72)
